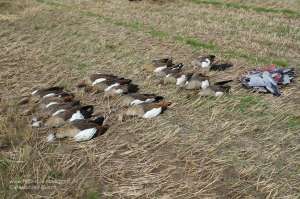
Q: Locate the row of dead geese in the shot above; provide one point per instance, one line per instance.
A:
(65, 115)
(194, 79)
(61, 112)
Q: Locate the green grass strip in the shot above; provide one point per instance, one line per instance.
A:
(287, 12)
(194, 43)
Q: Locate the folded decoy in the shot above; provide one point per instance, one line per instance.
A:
(147, 110)
(282, 76)
(262, 82)
(80, 130)
(63, 115)
(138, 98)
(268, 79)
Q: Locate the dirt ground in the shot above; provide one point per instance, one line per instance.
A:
(242, 145)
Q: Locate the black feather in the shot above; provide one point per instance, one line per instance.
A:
(99, 120)
(220, 67)
(223, 82)
(133, 88)
(87, 111)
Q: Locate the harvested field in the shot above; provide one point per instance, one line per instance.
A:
(242, 145)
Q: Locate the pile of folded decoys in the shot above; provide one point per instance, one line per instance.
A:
(268, 79)
(59, 110)
(195, 79)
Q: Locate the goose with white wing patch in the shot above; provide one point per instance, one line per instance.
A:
(112, 85)
(80, 130)
(56, 100)
(193, 81)
(99, 82)
(63, 115)
(160, 64)
(138, 98)
(147, 111)
(48, 92)
(204, 62)
(174, 69)
(218, 89)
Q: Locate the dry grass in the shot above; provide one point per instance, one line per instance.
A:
(242, 145)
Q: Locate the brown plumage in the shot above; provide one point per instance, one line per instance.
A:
(121, 89)
(60, 117)
(56, 99)
(168, 70)
(45, 91)
(216, 90)
(195, 81)
(99, 82)
(63, 105)
(74, 128)
(150, 110)
(168, 61)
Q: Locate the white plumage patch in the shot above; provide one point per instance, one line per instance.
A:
(112, 86)
(34, 92)
(58, 112)
(76, 116)
(219, 94)
(97, 81)
(159, 69)
(150, 100)
(50, 137)
(37, 124)
(50, 104)
(136, 102)
(34, 119)
(181, 80)
(206, 63)
(49, 95)
(85, 135)
(204, 84)
(119, 91)
(152, 113)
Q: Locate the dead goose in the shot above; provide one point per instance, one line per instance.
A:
(80, 130)
(164, 62)
(138, 98)
(63, 115)
(118, 89)
(147, 111)
(204, 62)
(217, 89)
(56, 100)
(193, 81)
(101, 82)
(165, 71)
